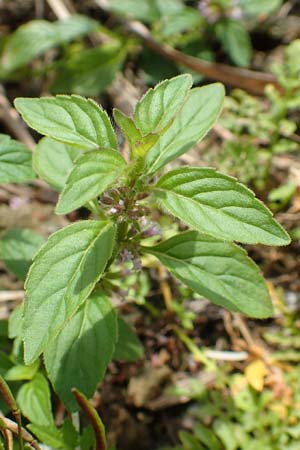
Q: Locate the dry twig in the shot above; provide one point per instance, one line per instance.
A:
(13, 427)
(11, 119)
(11, 296)
(251, 81)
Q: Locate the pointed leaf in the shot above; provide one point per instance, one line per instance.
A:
(53, 161)
(69, 118)
(15, 161)
(128, 127)
(220, 271)
(218, 205)
(198, 114)
(62, 276)
(236, 41)
(79, 355)
(139, 144)
(91, 175)
(159, 105)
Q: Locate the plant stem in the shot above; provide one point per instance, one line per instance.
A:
(94, 418)
(94, 208)
(12, 404)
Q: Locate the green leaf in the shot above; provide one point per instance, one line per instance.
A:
(79, 356)
(180, 21)
(53, 161)
(17, 248)
(87, 438)
(49, 435)
(36, 37)
(15, 161)
(220, 271)
(218, 205)
(158, 106)
(189, 441)
(139, 144)
(89, 71)
(259, 7)
(128, 346)
(91, 175)
(15, 321)
(146, 11)
(198, 114)
(34, 401)
(21, 372)
(70, 434)
(236, 41)
(207, 437)
(5, 363)
(69, 118)
(128, 127)
(62, 276)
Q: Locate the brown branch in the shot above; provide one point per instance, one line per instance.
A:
(9, 296)
(93, 417)
(13, 427)
(252, 81)
(59, 9)
(13, 122)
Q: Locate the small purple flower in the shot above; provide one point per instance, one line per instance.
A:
(153, 230)
(113, 210)
(17, 202)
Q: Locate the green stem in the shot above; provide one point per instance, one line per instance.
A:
(93, 206)
(198, 354)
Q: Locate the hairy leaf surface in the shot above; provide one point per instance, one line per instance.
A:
(218, 205)
(220, 271)
(69, 118)
(198, 114)
(79, 355)
(128, 127)
(53, 161)
(62, 276)
(159, 105)
(15, 161)
(91, 175)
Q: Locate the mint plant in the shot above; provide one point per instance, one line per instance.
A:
(67, 315)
